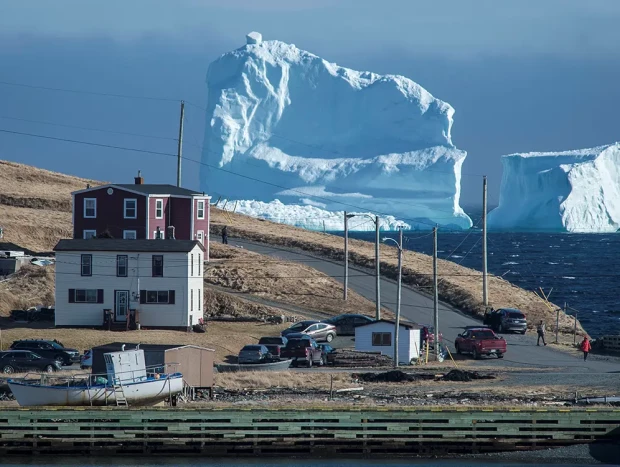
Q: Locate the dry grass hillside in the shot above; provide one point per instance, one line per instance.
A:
(459, 286)
(48, 218)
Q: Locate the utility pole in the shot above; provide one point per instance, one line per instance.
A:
(557, 322)
(378, 270)
(400, 280)
(346, 254)
(485, 291)
(435, 293)
(180, 146)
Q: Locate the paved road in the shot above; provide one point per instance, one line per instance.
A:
(417, 307)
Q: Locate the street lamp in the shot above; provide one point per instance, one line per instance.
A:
(399, 245)
(375, 220)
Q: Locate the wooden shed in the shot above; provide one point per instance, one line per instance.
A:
(195, 363)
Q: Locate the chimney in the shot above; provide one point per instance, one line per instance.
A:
(88, 186)
(139, 180)
(170, 235)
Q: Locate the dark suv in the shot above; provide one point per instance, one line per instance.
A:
(48, 349)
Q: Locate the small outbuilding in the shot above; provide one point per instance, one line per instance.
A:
(195, 363)
(378, 336)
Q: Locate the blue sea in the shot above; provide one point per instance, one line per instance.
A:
(581, 270)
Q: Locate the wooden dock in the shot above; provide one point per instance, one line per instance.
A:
(238, 432)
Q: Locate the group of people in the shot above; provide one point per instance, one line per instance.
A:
(585, 345)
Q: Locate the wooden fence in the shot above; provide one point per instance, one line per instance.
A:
(221, 432)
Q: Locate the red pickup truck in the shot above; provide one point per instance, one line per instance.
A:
(302, 350)
(480, 341)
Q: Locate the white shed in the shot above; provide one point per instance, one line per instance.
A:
(378, 336)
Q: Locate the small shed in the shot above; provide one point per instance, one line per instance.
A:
(378, 336)
(195, 363)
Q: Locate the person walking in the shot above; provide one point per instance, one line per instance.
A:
(225, 235)
(540, 329)
(585, 347)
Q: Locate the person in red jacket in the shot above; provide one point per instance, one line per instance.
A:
(585, 347)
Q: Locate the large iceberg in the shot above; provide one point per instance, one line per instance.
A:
(570, 191)
(285, 124)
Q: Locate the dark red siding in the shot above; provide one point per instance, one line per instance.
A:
(181, 217)
(153, 221)
(110, 213)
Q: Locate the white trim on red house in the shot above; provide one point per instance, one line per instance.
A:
(148, 213)
(159, 201)
(90, 217)
(198, 201)
(129, 190)
(125, 216)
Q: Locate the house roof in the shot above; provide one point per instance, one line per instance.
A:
(404, 324)
(116, 347)
(117, 244)
(147, 189)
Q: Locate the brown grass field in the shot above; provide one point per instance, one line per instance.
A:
(35, 213)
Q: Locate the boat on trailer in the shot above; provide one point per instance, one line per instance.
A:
(127, 381)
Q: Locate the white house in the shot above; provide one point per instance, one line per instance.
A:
(378, 336)
(160, 282)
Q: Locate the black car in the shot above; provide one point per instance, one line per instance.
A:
(12, 361)
(48, 349)
(329, 353)
(346, 324)
(274, 345)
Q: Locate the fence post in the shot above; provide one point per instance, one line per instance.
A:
(575, 330)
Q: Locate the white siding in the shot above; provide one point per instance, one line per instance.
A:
(408, 345)
(139, 277)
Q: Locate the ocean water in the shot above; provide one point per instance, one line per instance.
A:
(582, 270)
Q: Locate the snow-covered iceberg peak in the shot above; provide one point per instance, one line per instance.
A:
(570, 191)
(286, 124)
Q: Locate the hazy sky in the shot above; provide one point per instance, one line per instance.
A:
(528, 75)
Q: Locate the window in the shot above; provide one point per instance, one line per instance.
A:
(199, 264)
(85, 295)
(157, 297)
(201, 210)
(89, 234)
(192, 265)
(159, 209)
(121, 266)
(191, 300)
(158, 234)
(90, 208)
(381, 339)
(158, 266)
(87, 265)
(131, 208)
(199, 298)
(129, 234)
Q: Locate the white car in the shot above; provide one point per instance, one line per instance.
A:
(86, 360)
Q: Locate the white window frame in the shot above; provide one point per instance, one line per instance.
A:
(125, 232)
(163, 234)
(200, 236)
(198, 209)
(93, 233)
(157, 302)
(90, 296)
(94, 216)
(135, 216)
(159, 206)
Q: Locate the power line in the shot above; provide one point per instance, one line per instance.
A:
(87, 128)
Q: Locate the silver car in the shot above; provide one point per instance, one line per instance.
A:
(315, 329)
(254, 354)
(506, 319)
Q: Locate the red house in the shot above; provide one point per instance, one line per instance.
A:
(141, 211)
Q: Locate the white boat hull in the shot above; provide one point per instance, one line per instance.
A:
(147, 392)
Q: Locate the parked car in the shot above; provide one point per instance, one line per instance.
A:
(346, 324)
(428, 333)
(274, 345)
(505, 319)
(315, 329)
(304, 350)
(12, 361)
(329, 353)
(254, 354)
(86, 361)
(48, 349)
(480, 341)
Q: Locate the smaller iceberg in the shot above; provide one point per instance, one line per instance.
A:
(570, 191)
